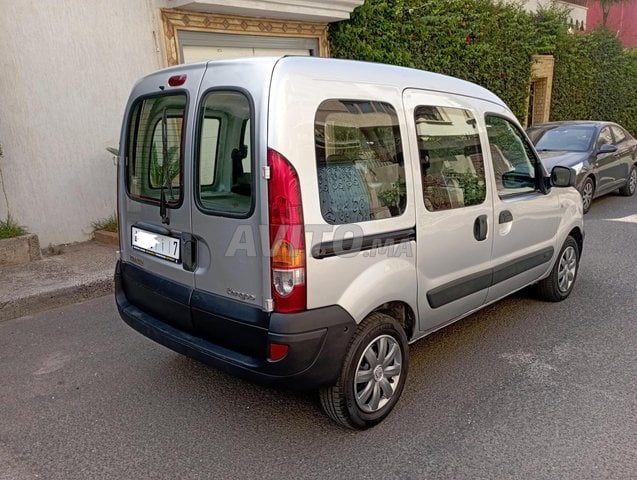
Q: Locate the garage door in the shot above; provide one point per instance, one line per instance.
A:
(198, 46)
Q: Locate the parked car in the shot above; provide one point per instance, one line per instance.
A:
(603, 154)
(299, 221)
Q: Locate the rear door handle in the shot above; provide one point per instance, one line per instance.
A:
(480, 228)
(505, 217)
(189, 252)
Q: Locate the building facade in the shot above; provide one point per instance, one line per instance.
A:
(622, 19)
(577, 9)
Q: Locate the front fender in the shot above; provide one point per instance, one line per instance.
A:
(572, 215)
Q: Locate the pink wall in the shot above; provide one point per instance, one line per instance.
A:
(622, 19)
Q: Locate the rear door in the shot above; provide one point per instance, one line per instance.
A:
(226, 213)
(156, 166)
(454, 212)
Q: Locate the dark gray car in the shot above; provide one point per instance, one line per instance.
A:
(603, 154)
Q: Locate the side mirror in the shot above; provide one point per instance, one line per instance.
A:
(607, 148)
(563, 177)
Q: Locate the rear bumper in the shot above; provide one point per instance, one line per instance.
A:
(317, 339)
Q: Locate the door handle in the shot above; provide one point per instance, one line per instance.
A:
(189, 252)
(480, 228)
(505, 217)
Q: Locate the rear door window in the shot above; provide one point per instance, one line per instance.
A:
(451, 162)
(224, 162)
(154, 157)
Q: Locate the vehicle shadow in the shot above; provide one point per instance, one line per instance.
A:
(440, 365)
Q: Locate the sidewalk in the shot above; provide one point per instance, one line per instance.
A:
(82, 271)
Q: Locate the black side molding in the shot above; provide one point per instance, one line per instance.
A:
(466, 286)
(359, 244)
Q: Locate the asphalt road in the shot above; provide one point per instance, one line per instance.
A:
(523, 389)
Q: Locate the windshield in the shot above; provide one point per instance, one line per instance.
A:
(571, 138)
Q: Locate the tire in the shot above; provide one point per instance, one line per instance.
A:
(587, 192)
(363, 404)
(631, 183)
(559, 284)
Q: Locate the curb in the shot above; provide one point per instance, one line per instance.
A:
(55, 298)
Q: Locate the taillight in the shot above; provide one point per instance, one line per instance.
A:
(287, 234)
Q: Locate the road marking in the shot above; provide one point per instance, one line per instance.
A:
(628, 219)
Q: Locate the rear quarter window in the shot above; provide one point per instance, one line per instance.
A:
(359, 161)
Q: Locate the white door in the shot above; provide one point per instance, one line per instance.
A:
(526, 219)
(201, 46)
(454, 212)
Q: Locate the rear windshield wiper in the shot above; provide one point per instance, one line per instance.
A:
(164, 169)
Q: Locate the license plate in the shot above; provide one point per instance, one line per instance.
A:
(156, 244)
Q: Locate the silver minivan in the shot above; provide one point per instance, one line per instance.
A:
(299, 221)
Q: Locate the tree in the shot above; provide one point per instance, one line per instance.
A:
(606, 6)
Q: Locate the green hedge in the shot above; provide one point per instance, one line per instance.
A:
(595, 79)
(487, 43)
(491, 43)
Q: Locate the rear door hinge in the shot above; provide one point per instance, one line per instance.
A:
(266, 172)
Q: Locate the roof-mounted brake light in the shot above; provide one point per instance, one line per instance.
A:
(177, 80)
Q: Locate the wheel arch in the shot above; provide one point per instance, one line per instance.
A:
(402, 313)
(578, 235)
(592, 176)
(388, 286)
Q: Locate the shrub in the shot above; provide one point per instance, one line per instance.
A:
(491, 43)
(595, 80)
(108, 224)
(9, 228)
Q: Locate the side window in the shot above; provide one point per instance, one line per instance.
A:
(224, 184)
(451, 162)
(154, 150)
(605, 137)
(619, 133)
(514, 163)
(359, 161)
